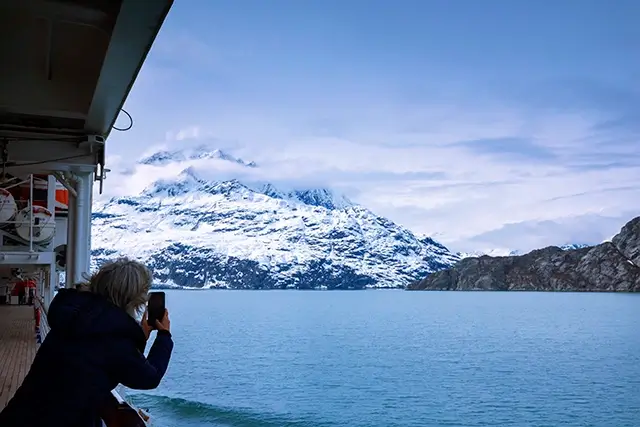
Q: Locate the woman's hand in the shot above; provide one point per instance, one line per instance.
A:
(165, 323)
(145, 326)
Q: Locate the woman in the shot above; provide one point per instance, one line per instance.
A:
(94, 344)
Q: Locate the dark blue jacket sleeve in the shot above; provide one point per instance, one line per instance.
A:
(145, 373)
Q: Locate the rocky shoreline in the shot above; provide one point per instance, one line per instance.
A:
(608, 267)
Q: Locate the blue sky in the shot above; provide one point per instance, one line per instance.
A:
(487, 124)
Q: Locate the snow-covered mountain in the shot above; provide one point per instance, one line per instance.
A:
(491, 252)
(506, 252)
(571, 246)
(199, 233)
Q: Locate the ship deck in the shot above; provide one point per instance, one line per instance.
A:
(17, 348)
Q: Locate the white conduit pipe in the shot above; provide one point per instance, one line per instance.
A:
(81, 225)
(80, 234)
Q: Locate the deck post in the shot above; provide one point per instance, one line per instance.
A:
(82, 225)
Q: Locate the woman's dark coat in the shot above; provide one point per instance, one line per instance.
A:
(92, 347)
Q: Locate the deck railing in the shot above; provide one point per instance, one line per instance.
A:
(118, 412)
(40, 313)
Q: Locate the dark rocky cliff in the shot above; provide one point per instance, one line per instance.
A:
(608, 267)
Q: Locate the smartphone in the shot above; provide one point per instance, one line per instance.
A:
(156, 307)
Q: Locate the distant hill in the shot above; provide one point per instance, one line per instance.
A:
(610, 266)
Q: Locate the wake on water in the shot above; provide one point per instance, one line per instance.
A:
(168, 411)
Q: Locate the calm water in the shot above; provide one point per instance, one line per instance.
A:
(394, 358)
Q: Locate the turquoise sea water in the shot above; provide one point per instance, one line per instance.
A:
(394, 358)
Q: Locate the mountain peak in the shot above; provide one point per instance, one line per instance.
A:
(205, 152)
(164, 157)
(185, 182)
(188, 180)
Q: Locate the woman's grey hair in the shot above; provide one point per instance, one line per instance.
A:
(124, 282)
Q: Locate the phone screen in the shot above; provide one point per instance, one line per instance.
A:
(156, 308)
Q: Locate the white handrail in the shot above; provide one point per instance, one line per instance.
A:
(43, 329)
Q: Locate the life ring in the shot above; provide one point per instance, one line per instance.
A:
(8, 207)
(42, 221)
(41, 210)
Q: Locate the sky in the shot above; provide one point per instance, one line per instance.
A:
(494, 124)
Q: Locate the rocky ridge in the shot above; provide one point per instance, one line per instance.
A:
(608, 267)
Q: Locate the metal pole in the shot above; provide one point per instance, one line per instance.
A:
(80, 246)
(72, 214)
(82, 226)
(31, 213)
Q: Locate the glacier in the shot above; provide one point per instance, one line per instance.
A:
(202, 233)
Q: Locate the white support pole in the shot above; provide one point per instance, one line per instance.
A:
(71, 241)
(82, 250)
